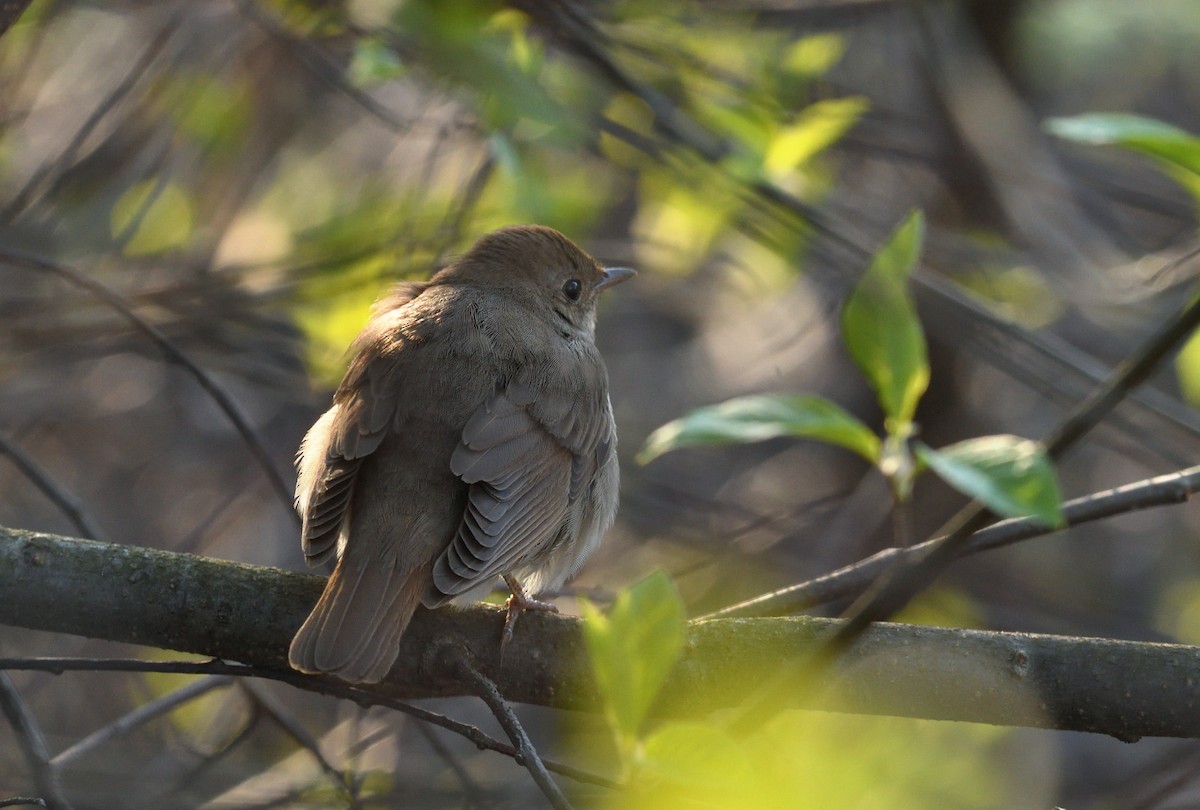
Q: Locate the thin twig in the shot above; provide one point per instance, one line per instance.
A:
(216, 392)
(1173, 488)
(67, 503)
(283, 719)
(32, 744)
(140, 717)
(527, 755)
(167, 797)
(24, 198)
(314, 59)
(473, 793)
(23, 801)
(323, 686)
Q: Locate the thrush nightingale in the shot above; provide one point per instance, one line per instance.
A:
(472, 437)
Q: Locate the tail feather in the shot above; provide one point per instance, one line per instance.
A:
(354, 630)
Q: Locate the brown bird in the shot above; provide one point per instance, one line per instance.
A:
(472, 437)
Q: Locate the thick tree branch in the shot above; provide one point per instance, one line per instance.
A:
(248, 613)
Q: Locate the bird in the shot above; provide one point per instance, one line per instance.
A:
(471, 438)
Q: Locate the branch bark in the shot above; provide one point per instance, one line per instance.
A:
(249, 613)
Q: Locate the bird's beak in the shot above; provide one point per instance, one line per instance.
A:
(615, 275)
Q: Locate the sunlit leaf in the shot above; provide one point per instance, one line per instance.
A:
(694, 757)
(814, 55)
(1011, 476)
(633, 648)
(152, 218)
(1187, 368)
(677, 227)
(818, 127)
(373, 62)
(820, 760)
(760, 417)
(632, 113)
(541, 185)
(1177, 612)
(214, 113)
(880, 325)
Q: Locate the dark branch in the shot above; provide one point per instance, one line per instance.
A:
(527, 755)
(218, 394)
(32, 744)
(67, 503)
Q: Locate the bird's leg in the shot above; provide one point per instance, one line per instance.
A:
(517, 604)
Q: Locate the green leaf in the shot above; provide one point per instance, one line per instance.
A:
(811, 56)
(881, 329)
(1187, 369)
(373, 62)
(760, 417)
(153, 218)
(1010, 475)
(1145, 135)
(1177, 151)
(817, 127)
(697, 756)
(633, 649)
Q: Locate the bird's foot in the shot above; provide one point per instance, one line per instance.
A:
(517, 604)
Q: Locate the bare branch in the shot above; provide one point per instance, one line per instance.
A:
(292, 728)
(527, 755)
(140, 717)
(214, 389)
(10, 12)
(51, 168)
(1173, 488)
(70, 505)
(32, 743)
(360, 695)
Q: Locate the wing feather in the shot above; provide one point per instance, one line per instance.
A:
(520, 477)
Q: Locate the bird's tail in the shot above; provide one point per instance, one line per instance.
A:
(354, 630)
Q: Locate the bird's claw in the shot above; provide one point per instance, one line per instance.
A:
(517, 604)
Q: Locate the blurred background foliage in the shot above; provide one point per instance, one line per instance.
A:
(250, 176)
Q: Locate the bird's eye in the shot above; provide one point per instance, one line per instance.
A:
(572, 289)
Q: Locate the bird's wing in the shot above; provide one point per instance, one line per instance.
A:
(334, 448)
(525, 475)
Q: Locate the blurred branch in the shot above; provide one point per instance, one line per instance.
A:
(218, 394)
(314, 59)
(360, 695)
(282, 718)
(10, 12)
(471, 791)
(249, 613)
(140, 716)
(32, 744)
(70, 505)
(1173, 488)
(54, 168)
(1043, 362)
